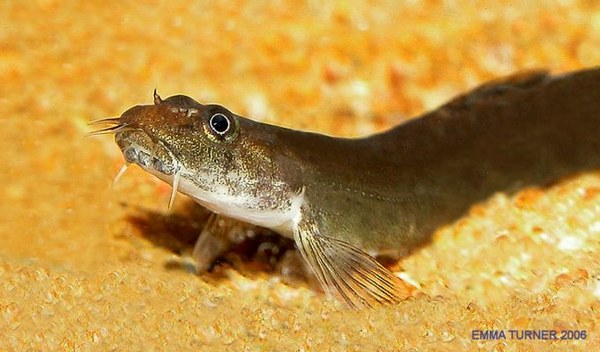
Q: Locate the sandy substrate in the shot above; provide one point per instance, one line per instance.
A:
(84, 266)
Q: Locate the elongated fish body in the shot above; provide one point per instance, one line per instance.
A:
(343, 200)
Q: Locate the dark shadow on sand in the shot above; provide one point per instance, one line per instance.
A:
(178, 230)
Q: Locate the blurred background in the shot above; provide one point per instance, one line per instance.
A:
(77, 274)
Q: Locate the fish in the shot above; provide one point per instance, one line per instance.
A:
(346, 201)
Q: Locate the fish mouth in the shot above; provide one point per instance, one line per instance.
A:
(139, 148)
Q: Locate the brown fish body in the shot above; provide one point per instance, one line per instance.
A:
(402, 184)
(340, 198)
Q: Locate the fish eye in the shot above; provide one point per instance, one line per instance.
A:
(219, 123)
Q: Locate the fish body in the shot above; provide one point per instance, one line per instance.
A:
(344, 200)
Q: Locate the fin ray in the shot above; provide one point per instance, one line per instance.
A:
(348, 272)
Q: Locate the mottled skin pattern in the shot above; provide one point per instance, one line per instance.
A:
(384, 193)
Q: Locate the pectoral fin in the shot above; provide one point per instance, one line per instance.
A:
(218, 236)
(348, 272)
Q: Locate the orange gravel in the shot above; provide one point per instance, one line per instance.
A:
(84, 266)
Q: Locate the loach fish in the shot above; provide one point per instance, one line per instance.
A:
(345, 200)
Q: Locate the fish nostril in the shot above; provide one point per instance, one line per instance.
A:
(130, 155)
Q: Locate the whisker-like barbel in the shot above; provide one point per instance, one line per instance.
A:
(120, 173)
(106, 120)
(107, 130)
(176, 178)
